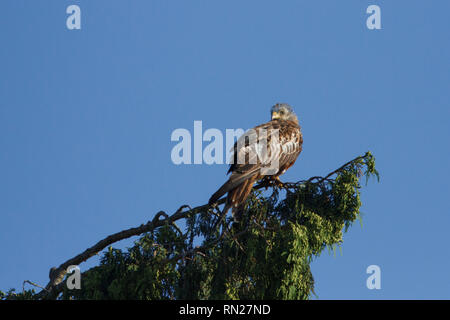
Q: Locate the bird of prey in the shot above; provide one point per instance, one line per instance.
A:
(264, 153)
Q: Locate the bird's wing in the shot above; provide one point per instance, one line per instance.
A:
(291, 142)
(263, 150)
(274, 144)
(245, 151)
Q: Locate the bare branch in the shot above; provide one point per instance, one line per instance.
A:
(33, 284)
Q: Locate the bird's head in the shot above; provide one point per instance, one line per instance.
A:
(283, 111)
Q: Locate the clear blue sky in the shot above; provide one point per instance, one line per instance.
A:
(86, 117)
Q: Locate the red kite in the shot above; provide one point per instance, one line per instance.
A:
(266, 151)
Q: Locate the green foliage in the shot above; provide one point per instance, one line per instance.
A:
(143, 272)
(12, 295)
(266, 256)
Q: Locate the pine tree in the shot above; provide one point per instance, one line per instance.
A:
(267, 255)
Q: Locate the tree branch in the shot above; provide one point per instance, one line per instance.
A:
(56, 275)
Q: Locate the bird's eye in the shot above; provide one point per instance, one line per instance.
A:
(282, 112)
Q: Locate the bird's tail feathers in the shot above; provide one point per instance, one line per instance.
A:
(237, 197)
(231, 184)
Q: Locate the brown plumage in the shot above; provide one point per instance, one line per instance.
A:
(281, 137)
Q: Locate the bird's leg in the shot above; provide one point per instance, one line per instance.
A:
(276, 181)
(267, 181)
(272, 181)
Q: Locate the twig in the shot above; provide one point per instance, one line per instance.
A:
(320, 179)
(33, 284)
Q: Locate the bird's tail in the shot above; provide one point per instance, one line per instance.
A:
(237, 197)
(238, 188)
(232, 183)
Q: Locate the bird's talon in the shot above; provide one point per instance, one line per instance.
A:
(278, 183)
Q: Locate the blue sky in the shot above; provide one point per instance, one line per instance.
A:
(86, 118)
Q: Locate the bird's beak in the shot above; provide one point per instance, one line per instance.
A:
(275, 115)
